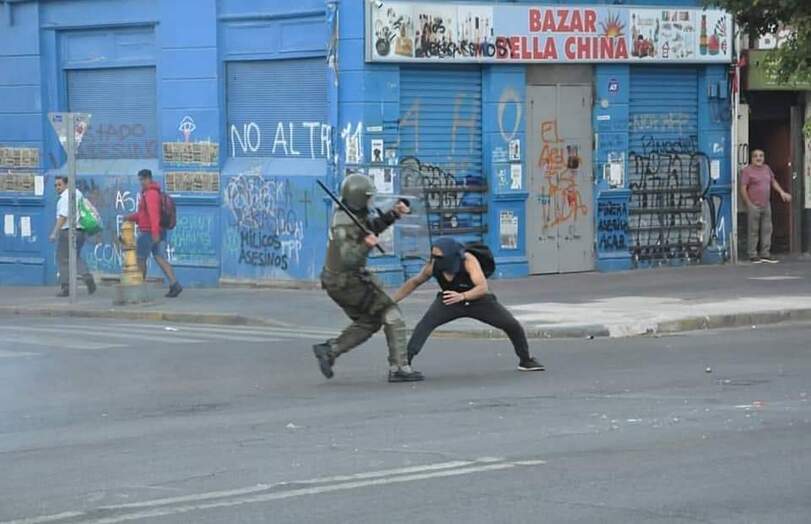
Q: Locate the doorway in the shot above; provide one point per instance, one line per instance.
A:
(774, 127)
(560, 225)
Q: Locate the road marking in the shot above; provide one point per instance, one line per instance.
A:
(262, 492)
(776, 277)
(178, 335)
(55, 342)
(47, 518)
(132, 337)
(229, 332)
(213, 328)
(13, 354)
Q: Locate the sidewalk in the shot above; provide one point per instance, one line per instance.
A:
(558, 306)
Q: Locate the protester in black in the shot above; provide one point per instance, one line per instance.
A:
(464, 295)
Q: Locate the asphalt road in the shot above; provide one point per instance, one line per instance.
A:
(106, 422)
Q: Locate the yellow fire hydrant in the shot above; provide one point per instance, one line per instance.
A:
(130, 273)
(132, 289)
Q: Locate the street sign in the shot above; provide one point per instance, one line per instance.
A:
(60, 123)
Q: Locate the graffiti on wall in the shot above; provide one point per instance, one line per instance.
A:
(266, 221)
(561, 198)
(454, 204)
(673, 215)
(612, 226)
(115, 198)
(462, 134)
(286, 139)
(118, 140)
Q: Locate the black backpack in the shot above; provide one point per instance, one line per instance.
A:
(483, 255)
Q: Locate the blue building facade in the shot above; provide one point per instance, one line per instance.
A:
(239, 106)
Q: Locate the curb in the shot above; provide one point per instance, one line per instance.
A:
(154, 316)
(589, 331)
(733, 320)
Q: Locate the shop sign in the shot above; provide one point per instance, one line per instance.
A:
(481, 33)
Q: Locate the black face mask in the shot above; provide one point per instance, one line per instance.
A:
(443, 263)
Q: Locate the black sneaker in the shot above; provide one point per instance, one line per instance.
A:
(531, 365)
(755, 260)
(174, 290)
(325, 359)
(91, 285)
(405, 375)
(63, 292)
(769, 260)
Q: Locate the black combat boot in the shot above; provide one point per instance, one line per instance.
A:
(323, 352)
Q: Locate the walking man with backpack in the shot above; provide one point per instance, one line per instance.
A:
(155, 215)
(457, 269)
(59, 234)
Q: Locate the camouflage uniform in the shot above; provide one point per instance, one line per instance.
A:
(357, 291)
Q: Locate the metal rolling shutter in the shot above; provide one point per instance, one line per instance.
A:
(440, 133)
(123, 108)
(664, 170)
(270, 92)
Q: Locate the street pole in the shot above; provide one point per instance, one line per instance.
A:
(71, 151)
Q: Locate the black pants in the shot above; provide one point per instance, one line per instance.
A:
(486, 309)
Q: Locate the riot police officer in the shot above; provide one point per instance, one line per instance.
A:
(359, 293)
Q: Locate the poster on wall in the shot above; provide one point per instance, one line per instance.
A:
(508, 230)
(383, 179)
(398, 31)
(377, 151)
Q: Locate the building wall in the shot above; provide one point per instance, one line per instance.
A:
(248, 206)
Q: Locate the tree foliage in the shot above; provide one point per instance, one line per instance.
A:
(760, 17)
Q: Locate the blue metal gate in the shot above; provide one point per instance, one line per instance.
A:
(123, 108)
(277, 108)
(664, 165)
(440, 146)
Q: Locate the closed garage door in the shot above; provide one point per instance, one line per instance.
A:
(440, 145)
(123, 108)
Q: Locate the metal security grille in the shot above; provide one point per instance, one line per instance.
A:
(278, 108)
(665, 165)
(123, 108)
(440, 145)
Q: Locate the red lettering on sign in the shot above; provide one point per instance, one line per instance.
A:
(576, 23)
(537, 52)
(526, 54)
(515, 51)
(591, 21)
(502, 47)
(570, 48)
(548, 21)
(583, 48)
(563, 27)
(534, 20)
(607, 47)
(551, 49)
(621, 51)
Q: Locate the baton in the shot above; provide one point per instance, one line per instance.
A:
(349, 212)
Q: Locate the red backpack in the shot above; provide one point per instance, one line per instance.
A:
(168, 212)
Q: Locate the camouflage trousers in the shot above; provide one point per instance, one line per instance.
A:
(361, 296)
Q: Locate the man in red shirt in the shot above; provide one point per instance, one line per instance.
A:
(757, 181)
(151, 237)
